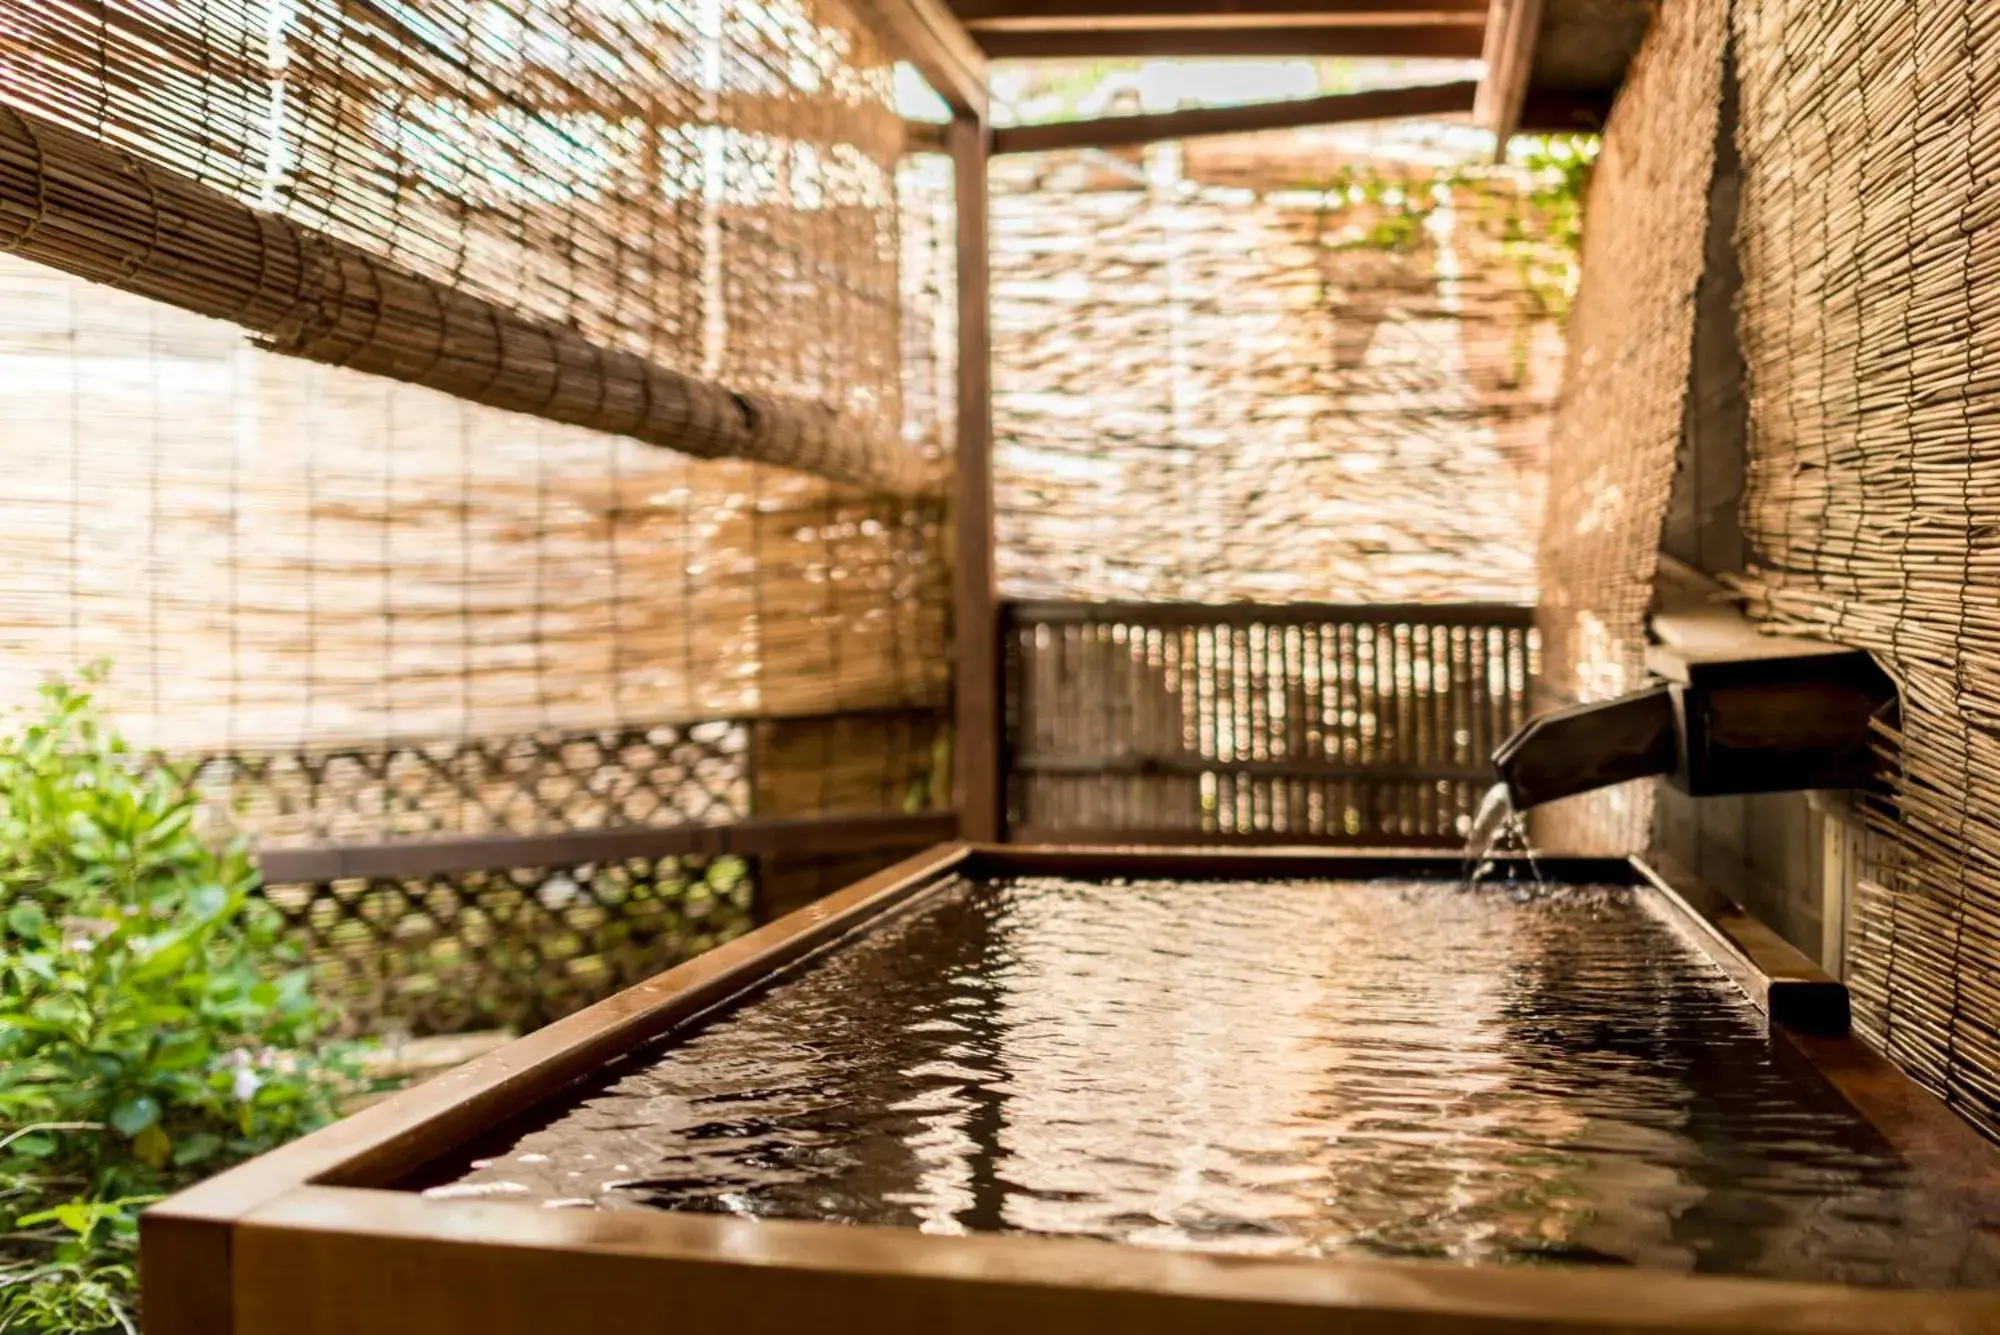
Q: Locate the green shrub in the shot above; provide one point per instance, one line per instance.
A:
(153, 1026)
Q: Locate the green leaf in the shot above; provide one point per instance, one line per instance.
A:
(136, 1114)
(151, 1146)
(34, 1145)
(208, 900)
(75, 1216)
(26, 920)
(179, 1052)
(170, 957)
(197, 1148)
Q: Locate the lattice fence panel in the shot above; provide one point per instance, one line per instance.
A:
(672, 775)
(513, 948)
(1357, 725)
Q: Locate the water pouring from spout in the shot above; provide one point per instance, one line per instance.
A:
(1497, 828)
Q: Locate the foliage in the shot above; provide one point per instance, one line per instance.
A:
(1382, 213)
(1546, 239)
(152, 1027)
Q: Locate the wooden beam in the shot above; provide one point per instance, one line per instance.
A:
(979, 13)
(928, 35)
(975, 607)
(1222, 22)
(1040, 612)
(1512, 27)
(926, 137)
(751, 837)
(1395, 40)
(1441, 99)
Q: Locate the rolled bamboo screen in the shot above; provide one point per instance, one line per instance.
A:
(674, 225)
(1872, 186)
(1618, 425)
(1242, 390)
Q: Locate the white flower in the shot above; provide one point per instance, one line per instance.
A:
(246, 1084)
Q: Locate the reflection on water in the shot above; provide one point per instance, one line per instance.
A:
(1384, 1069)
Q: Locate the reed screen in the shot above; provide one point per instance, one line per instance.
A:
(1872, 178)
(1619, 424)
(675, 223)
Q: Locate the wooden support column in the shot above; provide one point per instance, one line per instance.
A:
(1512, 27)
(976, 617)
(929, 36)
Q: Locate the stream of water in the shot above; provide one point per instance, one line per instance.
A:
(1496, 829)
(1384, 1069)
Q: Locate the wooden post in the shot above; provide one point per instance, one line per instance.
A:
(1512, 27)
(976, 619)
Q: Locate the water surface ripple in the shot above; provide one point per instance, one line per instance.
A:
(1380, 1069)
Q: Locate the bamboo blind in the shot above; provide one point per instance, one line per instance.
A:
(1227, 392)
(1872, 182)
(677, 224)
(274, 553)
(1618, 425)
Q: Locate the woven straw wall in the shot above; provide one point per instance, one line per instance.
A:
(1613, 442)
(1209, 391)
(1869, 252)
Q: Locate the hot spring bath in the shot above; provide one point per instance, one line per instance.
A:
(1182, 1087)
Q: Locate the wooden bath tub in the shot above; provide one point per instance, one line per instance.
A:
(323, 1236)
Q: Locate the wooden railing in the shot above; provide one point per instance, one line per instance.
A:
(1294, 723)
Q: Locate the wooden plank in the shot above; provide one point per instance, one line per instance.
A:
(1033, 612)
(1182, 764)
(928, 35)
(1440, 99)
(335, 1262)
(1396, 40)
(975, 607)
(746, 838)
(1224, 22)
(926, 137)
(976, 14)
(1128, 838)
(1167, 858)
(184, 1271)
(1953, 1160)
(1777, 977)
(1512, 27)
